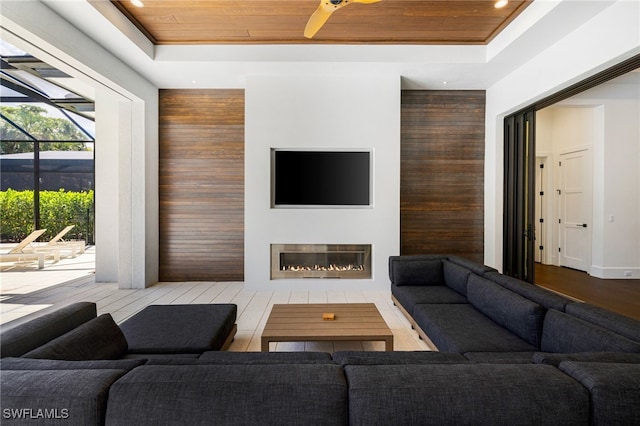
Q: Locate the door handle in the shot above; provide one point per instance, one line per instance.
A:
(583, 225)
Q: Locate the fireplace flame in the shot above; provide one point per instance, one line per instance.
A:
(332, 267)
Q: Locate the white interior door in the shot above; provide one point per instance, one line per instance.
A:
(575, 209)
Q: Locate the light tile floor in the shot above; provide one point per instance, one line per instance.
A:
(26, 292)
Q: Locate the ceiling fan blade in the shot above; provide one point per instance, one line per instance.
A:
(324, 11)
(317, 20)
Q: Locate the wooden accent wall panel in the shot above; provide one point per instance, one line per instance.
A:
(201, 185)
(442, 173)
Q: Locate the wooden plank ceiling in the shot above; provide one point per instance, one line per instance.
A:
(283, 21)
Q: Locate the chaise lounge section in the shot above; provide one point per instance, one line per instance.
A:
(76, 333)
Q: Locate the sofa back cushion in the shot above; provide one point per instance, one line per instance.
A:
(464, 394)
(476, 268)
(519, 315)
(418, 270)
(455, 276)
(56, 364)
(27, 336)
(242, 395)
(619, 324)
(63, 397)
(99, 338)
(532, 292)
(608, 357)
(567, 334)
(397, 357)
(224, 357)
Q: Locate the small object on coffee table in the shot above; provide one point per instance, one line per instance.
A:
(328, 316)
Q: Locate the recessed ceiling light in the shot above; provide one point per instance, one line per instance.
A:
(137, 3)
(500, 4)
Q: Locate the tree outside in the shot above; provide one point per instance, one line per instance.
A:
(33, 120)
(58, 208)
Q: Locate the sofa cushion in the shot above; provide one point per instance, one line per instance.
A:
(399, 264)
(160, 356)
(99, 338)
(179, 328)
(409, 296)
(464, 394)
(461, 328)
(614, 390)
(500, 357)
(566, 334)
(27, 336)
(611, 357)
(54, 364)
(456, 276)
(510, 310)
(532, 292)
(69, 397)
(247, 358)
(419, 272)
(475, 267)
(217, 357)
(398, 357)
(296, 394)
(619, 324)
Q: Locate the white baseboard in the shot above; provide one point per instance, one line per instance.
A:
(624, 273)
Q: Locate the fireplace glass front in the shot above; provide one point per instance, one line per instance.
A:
(352, 261)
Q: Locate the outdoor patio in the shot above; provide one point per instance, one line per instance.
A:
(22, 284)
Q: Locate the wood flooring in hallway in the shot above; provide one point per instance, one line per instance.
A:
(622, 296)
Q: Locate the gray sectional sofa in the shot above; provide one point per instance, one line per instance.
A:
(459, 306)
(170, 379)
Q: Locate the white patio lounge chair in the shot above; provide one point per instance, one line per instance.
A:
(23, 252)
(74, 247)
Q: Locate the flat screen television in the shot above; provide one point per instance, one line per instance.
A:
(321, 178)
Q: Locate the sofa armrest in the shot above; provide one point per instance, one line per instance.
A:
(614, 389)
(416, 270)
(73, 397)
(27, 336)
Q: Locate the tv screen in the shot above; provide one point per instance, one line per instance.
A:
(321, 178)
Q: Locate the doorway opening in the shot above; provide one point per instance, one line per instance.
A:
(521, 227)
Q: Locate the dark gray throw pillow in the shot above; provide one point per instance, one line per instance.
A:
(100, 338)
(419, 272)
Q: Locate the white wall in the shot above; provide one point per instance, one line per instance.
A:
(34, 28)
(329, 112)
(584, 52)
(108, 127)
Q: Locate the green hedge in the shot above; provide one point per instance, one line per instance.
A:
(57, 210)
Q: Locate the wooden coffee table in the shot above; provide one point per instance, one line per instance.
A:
(304, 322)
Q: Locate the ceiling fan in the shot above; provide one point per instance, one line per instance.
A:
(324, 11)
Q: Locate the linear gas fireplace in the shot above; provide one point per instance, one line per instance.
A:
(352, 261)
